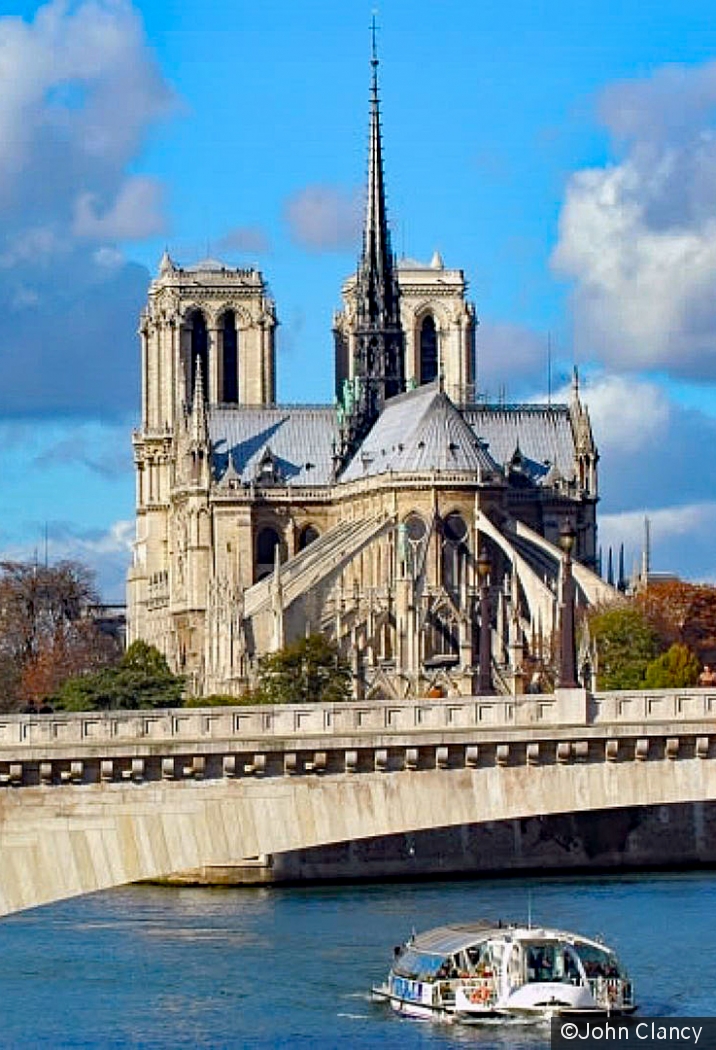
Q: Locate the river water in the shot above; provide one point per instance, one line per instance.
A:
(152, 967)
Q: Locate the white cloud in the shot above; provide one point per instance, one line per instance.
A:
(81, 92)
(135, 213)
(107, 552)
(627, 414)
(24, 298)
(324, 218)
(251, 240)
(681, 537)
(63, 77)
(665, 523)
(638, 237)
(508, 352)
(102, 449)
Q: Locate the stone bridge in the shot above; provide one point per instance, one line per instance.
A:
(89, 801)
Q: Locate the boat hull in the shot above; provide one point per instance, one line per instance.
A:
(501, 1010)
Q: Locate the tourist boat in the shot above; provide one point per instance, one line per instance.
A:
(484, 970)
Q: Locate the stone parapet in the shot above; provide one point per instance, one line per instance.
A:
(385, 718)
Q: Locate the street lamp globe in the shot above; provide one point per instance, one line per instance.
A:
(567, 536)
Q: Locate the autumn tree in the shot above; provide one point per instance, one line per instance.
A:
(683, 613)
(309, 670)
(46, 634)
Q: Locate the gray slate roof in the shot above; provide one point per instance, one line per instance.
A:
(543, 434)
(420, 431)
(300, 440)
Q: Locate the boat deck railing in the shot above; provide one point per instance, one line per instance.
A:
(613, 993)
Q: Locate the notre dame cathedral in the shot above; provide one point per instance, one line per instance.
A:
(372, 519)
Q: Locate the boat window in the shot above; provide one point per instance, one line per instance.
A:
(550, 961)
(481, 961)
(418, 965)
(540, 962)
(598, 962)
(572, 972)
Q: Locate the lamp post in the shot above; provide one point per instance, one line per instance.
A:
(485, 677)
(567, 641)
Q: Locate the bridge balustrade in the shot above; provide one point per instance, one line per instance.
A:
(569, 707)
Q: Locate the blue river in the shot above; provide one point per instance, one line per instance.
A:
(151, 967)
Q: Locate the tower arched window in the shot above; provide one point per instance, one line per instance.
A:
(199, 351)
(230, 360)
(428, 350)
(267, 541)
(455, 552)
(307, 536)
(416, 534)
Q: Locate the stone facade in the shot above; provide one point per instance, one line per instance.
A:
(258, 522)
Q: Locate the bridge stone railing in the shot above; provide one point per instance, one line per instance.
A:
(97, 730)
(447, 733)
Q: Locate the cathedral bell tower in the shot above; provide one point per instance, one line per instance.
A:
(207, 336)
(377, 369)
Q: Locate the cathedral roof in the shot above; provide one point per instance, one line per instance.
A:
(421, 431)
(298, 439)
(209, 266)
(542, 433)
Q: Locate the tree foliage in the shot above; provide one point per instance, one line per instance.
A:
(308, 670)
(46, 632)
(684, 613)
(676, 668)
(626, 645)
(214, 700)
(141, 679)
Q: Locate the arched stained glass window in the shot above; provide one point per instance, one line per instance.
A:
(454, 553)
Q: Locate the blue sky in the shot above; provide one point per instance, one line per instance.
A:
(562, 154)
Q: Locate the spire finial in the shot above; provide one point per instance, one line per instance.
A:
(199, 428)
(374, 42)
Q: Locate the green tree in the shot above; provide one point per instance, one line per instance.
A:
(309, 670)
(626, 645)
(213, 700)
(140, 680)
(677, 667)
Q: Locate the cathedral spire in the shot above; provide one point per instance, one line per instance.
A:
(376, 259)
(378, 364)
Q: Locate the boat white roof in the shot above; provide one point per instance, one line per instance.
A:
(446, 940)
